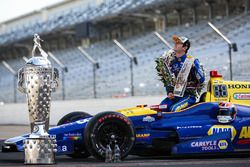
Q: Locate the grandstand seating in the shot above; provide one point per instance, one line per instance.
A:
(113, 77)
(70, 17)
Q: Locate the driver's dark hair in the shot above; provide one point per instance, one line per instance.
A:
(187, 44)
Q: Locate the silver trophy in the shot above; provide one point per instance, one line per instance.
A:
(37, 79)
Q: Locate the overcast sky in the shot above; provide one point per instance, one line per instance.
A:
(13, 8)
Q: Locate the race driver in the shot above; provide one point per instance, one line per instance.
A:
(195, 77)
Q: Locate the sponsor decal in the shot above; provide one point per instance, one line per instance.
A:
(243, 141)
(72, 136)
(82, 121)
(244, 137)
(188, 127)
(181, 107)
(130, 112)
(205, 145)
(242, 96)
(143, 135)
(222, 128)
(245, 132)
(220, 99)
(111, 116)
(148, 119)
(238, 86)
(222, 144)
(210, 145)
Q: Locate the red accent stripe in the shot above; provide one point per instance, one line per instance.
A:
(243, 141)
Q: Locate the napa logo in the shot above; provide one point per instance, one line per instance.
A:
(222, 144)
(222, 128)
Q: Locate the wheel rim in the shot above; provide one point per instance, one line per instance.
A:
(111, 133)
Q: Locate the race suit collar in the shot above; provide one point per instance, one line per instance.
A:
(182, 58)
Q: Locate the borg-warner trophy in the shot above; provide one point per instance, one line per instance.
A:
(37, 79)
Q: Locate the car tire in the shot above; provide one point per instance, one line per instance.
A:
(73, 116)
(102, 126)
(80, 150)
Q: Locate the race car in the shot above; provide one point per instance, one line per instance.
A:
(210, 126)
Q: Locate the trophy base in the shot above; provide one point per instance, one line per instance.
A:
(39, 151)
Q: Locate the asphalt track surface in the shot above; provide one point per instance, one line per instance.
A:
(242, 160)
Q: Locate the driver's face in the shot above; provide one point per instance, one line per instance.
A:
(178, 48)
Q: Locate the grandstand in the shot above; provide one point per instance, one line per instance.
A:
(70, 24)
